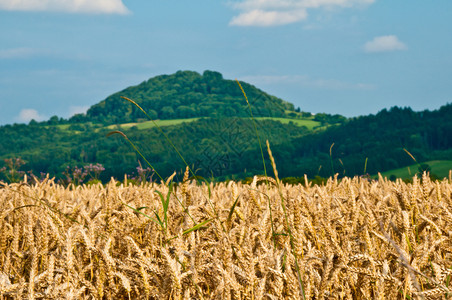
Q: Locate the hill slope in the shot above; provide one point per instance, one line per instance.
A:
(437, 168)
(185, 94)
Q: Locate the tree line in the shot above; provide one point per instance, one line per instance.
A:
(228, 147)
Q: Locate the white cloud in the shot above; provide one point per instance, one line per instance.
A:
(28, 114)
(16, 53)
(384, 44)
(268, 18)
(73, 110)
(281, 12)
(71, 6)
(306, 81)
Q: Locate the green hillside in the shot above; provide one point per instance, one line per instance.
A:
(205, 115)
(185, 94)
(439, 168)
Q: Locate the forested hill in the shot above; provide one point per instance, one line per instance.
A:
(185, 94)
(372, 144)
(199, 114)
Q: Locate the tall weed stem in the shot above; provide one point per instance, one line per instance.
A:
(263, 159)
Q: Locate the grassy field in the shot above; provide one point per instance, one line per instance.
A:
(63, 126)
(438, 167)
(310, 124)
(347, 239)
(150, 124)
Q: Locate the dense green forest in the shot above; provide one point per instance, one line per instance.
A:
(380, 138)
(214, 146)
(208, 120)
(185, 94)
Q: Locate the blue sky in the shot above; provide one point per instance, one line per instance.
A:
(352, 57)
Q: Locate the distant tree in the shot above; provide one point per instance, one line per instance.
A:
(322, 118)
(185, 112)
(167, 112)
(229, 111)
(212, 76)
(78, 127)
(53, 120)
(77, 118)
(152, 113)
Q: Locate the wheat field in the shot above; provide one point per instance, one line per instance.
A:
(352, 238)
